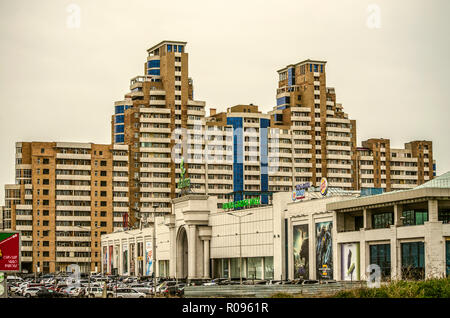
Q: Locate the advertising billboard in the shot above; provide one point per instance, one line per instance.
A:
(300, 190)
(110, 260)
(301, 251)
(9, 252)
(132, 260)
(148, 259)
(350, 261)
(324, 186)
(324, 250)
(125, 259)
(116, 259)
(105, 259)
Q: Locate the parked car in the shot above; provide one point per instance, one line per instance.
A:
(25, 286)
(331, 281)
(142, 288)
(310, 282)
(180, 290)
(93, 292)
(32, 291)
(96, 292)
(129, 293)
(76, 292)
(49, 293)
(165, 284)
(215, 281)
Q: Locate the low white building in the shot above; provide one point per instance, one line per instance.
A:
(316, 237)
(406, 233)
(198, 240)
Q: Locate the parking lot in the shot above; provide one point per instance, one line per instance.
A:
(99, 286)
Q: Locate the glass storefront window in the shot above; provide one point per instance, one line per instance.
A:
(268, 267)
(217, 270)
(413, 260)
(225, 273)
(447, 257)
(380, 254)
(254, 268)
(235, 268)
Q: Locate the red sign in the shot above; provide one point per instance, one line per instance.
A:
(9, 252)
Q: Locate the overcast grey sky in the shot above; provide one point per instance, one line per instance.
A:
(59, 83)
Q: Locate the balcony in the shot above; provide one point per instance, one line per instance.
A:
(120, 158)
(73, 259)
(73, 238)
(73, 177)
(60, 155)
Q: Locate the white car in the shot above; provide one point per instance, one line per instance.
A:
(129, 293)
(75, 291)
(96, 292)
(142, 288)
(31, 292)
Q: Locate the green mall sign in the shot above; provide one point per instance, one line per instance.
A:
(240, 204)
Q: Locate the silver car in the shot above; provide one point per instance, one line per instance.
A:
(31, 292)
(142, 288)
(129, 293)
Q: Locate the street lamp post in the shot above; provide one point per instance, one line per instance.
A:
(240, 243)
(155, 206)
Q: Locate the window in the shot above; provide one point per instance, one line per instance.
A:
(359, 222)
(103, 173)
(382, 220)
(380, 255)
(45, 181)
(413, 260)
(103, 163)
(414, 217)
(103, 183)
(444, 216)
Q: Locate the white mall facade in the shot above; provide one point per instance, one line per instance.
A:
(330, 237)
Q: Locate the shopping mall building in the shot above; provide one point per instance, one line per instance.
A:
(310, 234)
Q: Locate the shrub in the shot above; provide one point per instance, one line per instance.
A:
(282, 295)
(431, 288)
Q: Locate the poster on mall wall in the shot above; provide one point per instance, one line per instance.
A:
(132, 260)
(116, 258)
(350, 261)
(105, 260)
(324, 250)
(110, 265)
(125, 258)
(301, 251)
(148, 259)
